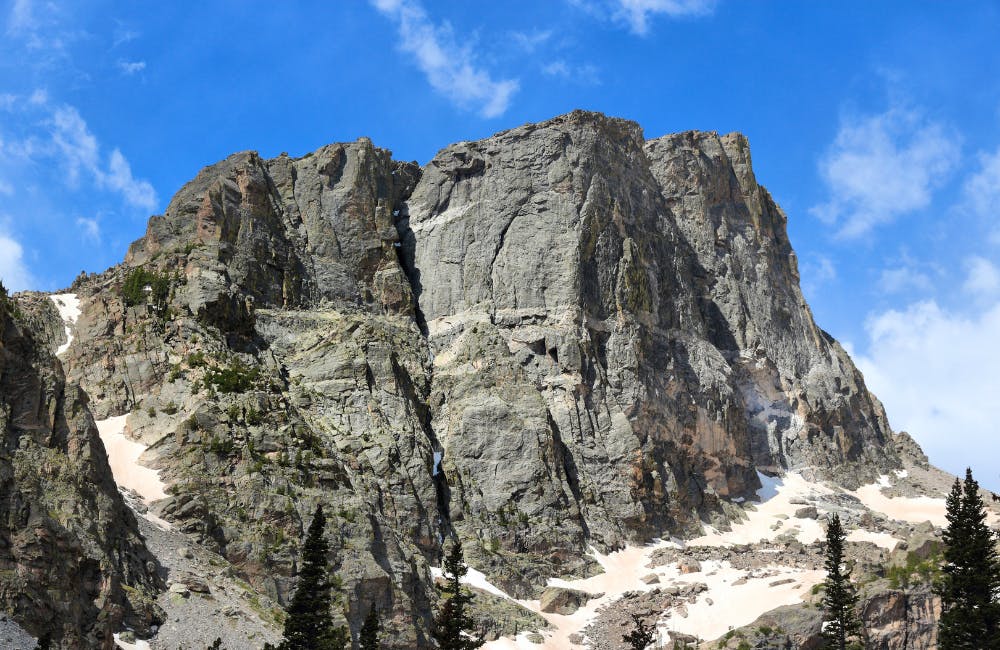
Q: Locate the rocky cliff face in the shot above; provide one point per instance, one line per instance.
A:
(560, 337)
(73, 567)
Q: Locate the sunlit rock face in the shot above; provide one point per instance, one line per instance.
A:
(561, 337)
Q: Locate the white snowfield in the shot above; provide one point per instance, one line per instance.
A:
(732, 605)
(125, 645)
(911, 509)
(123, 456)
(773, 516)
(726, 605)
(68, 305)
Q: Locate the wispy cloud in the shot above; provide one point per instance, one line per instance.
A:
(816, 271)
(982, 277)
(530, 41)
(131, 67)
(21, 16)
(880, 167)
(13, 271)
(585, 74)
(449, 67)
(637, 13)
(44, 28)
(90, 228)
(903, 278)
(981, 192)
(59, 133)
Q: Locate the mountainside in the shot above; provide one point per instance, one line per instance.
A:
(72, 562)
(555, 343)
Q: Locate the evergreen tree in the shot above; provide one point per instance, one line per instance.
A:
(368, 639)
(970, 584)
(453, 625)
(309, 625)
(840, 599)
(641, 635)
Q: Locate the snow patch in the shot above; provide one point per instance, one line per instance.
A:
(910, 509)
(123, 456)
(125, 645)
(474, 578)
(438, 455)
(768, 486)
(735, 605)
(900, 473)
(68, 305)
(884, 540)
(773, 517)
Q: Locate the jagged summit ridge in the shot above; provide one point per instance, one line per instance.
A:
(601, 337)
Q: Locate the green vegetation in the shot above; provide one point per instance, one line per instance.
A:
(970, 581)
(368, 639)
(309, 625)
(641, 634)
(220, 446)
(915, 570)
(133, 290)
(842, 628)
(453, 624)
(237, 377)
(196, 359)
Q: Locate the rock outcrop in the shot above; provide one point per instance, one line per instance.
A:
(73, 567)
(559, 337)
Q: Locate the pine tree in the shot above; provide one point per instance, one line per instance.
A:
(453, 625)
(309, 625)
(368, 639)
(840, 600)
(970, 584)
(641, 635)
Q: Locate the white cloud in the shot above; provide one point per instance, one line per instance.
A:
(13, 272)
(447, 65)
(584, 74)
(131, 67)
(119, 178)
(75, 142)
(530, 41)
(636, 13)
(981, 192)
(90, 228)
(80, 152)
(21, 16)
(983, 277)
(935, 372)
(883, 166)
(816, 271)
(6, 188)
(902, 278)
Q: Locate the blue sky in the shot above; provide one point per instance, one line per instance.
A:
(875, 125)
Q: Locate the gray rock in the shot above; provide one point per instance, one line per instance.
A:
(689, 566)
(809, 512)
(179, 589)
(559, 337)
(559, 600)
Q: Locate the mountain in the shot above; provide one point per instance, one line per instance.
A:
(556, 343)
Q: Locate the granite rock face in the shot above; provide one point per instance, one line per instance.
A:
(73, 567)
(806, 401)
(619, 338)
(559, 337)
